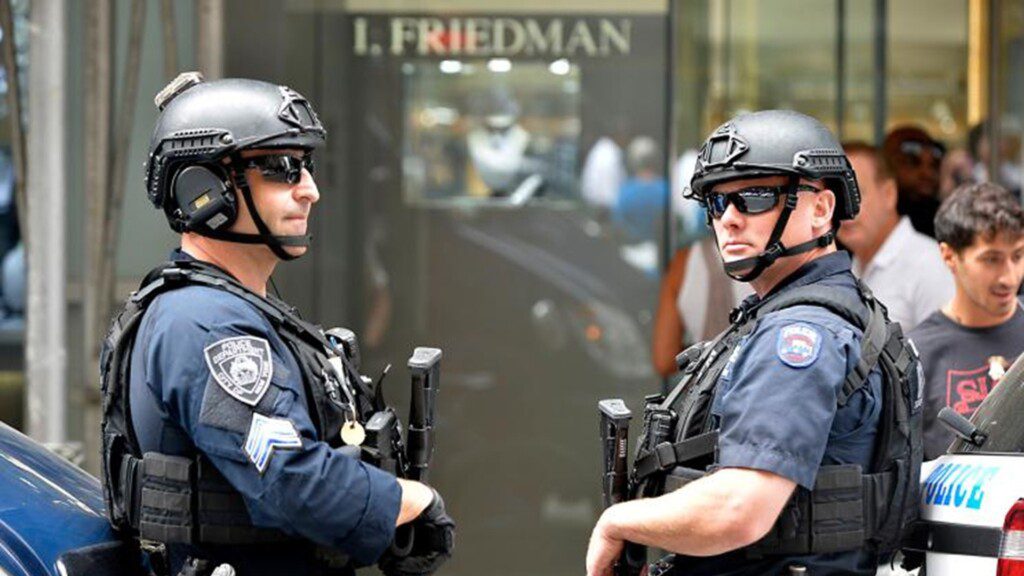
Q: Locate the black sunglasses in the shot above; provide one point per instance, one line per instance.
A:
(282, 168)
(752, 200)
(915, 150)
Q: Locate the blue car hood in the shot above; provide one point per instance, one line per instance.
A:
(47, 506)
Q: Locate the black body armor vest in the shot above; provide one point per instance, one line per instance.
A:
(849, 508)
(179, 500)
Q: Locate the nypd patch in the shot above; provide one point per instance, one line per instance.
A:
(267, 435)
(242, 366)
(798, 345)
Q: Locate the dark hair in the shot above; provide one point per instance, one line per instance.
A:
(978, 211)
(883, 166)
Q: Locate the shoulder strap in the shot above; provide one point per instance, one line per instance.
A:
(876, 334)
(120, 444)
(839, 302)
(282, 315)
(195, 272)
(707, 354)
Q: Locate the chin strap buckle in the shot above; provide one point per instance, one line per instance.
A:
(773, 253)
(827, 238)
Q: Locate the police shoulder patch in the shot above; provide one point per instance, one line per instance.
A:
(267, 435)
(242, 366)
(798, 345)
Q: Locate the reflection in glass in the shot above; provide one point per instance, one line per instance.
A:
(490, 131)
(12, 253)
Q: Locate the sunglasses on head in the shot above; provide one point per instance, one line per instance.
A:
(751, 200)
(282, 168)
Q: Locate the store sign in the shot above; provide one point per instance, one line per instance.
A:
(505, 37)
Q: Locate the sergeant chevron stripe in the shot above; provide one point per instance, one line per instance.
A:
(269, 434)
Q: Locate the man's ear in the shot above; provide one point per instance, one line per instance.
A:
(949, 256)
(824, 207)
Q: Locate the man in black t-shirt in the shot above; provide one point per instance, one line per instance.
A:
(967, 345)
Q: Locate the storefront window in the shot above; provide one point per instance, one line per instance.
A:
(491, 131)
(927, 60)
(777, 54)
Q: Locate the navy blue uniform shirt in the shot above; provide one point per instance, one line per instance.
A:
(776, 408)
(186, 396)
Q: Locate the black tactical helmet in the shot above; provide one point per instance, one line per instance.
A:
(201, 124)
(774, 143)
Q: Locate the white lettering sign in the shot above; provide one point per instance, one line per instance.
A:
(505, 37)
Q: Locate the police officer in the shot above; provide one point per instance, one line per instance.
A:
(793, 406)
(225, 413)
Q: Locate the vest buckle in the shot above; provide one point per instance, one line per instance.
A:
(665, 456)
(774, 252)
(173, 275)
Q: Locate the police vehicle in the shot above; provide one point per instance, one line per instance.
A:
(972, 498)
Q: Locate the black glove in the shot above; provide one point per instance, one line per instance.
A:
(433, 540)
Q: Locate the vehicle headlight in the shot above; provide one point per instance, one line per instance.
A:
(612, 339)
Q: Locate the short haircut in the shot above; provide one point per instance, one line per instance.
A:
(642, 154)
(883, 167)
(975, 211)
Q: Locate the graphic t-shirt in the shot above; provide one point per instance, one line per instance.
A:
(961, 365)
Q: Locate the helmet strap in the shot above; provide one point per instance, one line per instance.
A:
(264, 236)
(775, 249)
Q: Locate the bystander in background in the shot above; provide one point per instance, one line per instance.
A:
(640, 206)
(967, 345)
(901, 266)
(915, 158)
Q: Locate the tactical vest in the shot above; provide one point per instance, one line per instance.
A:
(849, 508)
(168, 499)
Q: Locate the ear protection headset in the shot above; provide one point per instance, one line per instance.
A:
(204, 199)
